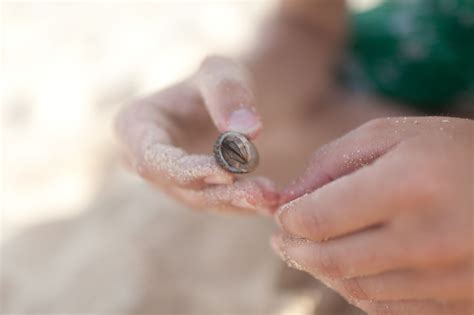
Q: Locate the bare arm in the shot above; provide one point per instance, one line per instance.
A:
(295, 53)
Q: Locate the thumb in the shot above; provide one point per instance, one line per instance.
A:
(226, 92)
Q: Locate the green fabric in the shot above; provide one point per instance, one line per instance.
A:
(419, 52)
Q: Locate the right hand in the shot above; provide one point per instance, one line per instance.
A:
(159, 131)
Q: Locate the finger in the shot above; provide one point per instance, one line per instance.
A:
(224, 86)
(157, 116)
(245, 195)
(345, 205)
(367, 197)
(167, 164)
(442, 284)
(365, 253)
(416, 308)
(356, 149)
(145, 129)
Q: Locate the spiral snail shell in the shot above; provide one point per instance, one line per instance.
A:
(235, 153)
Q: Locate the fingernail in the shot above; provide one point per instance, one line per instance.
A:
(282, 214)
(282, 246)
(245, 121)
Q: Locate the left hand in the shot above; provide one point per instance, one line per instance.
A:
(384, 216)
(163, 133)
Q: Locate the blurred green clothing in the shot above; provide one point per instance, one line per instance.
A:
(419, 52)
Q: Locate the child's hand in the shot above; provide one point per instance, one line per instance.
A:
(158, 132)
(384, 216)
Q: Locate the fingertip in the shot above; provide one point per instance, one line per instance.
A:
(282, 216)
(244, 120)
(285, 245)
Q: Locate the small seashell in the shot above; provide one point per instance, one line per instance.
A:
(235, 153)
